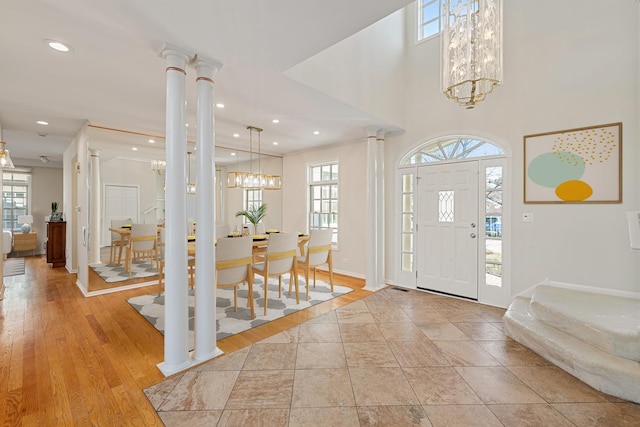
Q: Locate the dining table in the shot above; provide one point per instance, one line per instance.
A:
(260, 243)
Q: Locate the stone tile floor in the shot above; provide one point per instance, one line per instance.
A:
(393, 358)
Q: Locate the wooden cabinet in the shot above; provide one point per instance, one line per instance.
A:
(56, 243)
(25, 242)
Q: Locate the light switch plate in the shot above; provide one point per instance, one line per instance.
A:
(527, 217)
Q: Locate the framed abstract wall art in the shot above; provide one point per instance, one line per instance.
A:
(581, 165)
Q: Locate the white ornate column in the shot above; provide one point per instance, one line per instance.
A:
(205, 310)
(176, 332)
(371, 281)
(380, 201)
(94, 208)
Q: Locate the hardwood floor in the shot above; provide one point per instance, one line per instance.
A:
(70, 360)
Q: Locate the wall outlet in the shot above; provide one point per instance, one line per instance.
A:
(527, 217)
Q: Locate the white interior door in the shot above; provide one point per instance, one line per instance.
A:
(447, 228)
(120, 202)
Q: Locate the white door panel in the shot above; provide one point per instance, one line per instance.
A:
(121, 202)
(447, 218)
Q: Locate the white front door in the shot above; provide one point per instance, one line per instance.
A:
(447, 228)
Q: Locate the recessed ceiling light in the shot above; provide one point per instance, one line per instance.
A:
(275, 121)
(42, 122)
(316, 132)
(275, 142)
(186, 124)
(220, 105)
(134, 148)
(233, 154)
(59, 46)
(236, 135)
(152, 141)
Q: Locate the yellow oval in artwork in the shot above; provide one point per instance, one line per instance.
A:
(574, 191)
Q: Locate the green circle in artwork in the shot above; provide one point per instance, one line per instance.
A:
(554, 168)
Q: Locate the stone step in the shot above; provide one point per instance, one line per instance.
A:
(603, 371)
(608, 322)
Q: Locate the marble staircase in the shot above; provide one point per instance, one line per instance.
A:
(592, 333)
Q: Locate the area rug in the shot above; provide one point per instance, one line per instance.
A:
(115, 272)
(228, 322)
(12, 267)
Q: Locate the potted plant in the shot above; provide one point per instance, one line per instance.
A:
(254, 215)
(54, 206)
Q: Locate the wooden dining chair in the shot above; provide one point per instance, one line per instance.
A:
(318, 253)
(280, 259)
(143, 244)
(117, 242)
(234, 267)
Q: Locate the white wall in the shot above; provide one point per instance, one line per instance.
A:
(350, 258)
(46, 187)
(565, 66)
(119, 171)
(364, 70)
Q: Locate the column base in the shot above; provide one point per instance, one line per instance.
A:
(170, 370)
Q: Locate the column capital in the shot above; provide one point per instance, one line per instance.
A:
(95, 152)
(372, 131)
(205, 67)
(381, 133)
(175, 55)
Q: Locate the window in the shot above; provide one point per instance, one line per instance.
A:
(253, 199)
(406, 252)
(16, 201)
(323, 198)
(451, 149)
(428, 18)
(493, 225)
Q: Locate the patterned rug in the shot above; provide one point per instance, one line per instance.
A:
(12, 267)
(228, 322)
(115, 272)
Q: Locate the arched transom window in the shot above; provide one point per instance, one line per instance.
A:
(451, 148)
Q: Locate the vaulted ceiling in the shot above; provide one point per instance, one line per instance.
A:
(113, 76)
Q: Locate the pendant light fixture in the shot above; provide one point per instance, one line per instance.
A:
(191, 187)
(250, 180)
(5, 158)
(471, 50)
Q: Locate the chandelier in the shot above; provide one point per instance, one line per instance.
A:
(191, 187)
(159, 167)
(471, 49)
(250, 180)
(5, 158)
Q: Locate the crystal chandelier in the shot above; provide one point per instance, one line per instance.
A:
(471, 49)
(250, 180)
(159, 167)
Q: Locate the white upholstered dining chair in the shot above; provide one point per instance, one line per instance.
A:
(117, 242)
(234, 267)
(280, 259)
(318, 253)
(143, 244)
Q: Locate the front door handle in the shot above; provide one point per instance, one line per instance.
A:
(472, 235)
